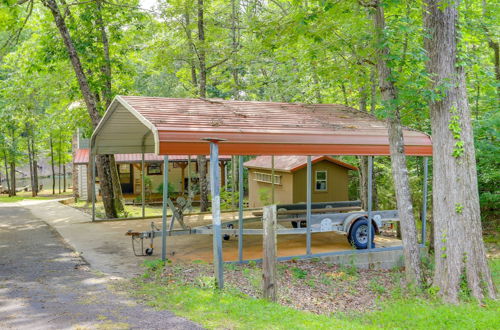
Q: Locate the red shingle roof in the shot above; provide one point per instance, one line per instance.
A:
(249, 128)
(292, 163)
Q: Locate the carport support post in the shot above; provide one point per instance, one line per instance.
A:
(370, 191)
(272, 179)
(424, 200)
(164, 211)
(240, 209)
(308, 206)
(216, 221)
(143, 186)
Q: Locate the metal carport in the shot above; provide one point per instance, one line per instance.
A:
(173, 126)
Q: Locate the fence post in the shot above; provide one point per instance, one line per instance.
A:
(270, 252)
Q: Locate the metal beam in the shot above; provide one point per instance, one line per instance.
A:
(164, 211)
(370, 192)
(308, 206)
(240, 209)
(424, 200)
(216, 221)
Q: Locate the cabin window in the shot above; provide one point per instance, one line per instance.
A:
(154, 169)
(267, 178)
(321, 181)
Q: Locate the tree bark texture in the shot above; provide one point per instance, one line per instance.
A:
(398, 159)
(6, 165)
(202, 174)
(109, 197)
(460, 252)
(30, 159)
(12, 178)
(35, 165)
(52, 165)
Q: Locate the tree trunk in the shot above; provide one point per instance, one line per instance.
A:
(52, 165)
(201, 52)
(64, 177)
(12, 178)
(201, 159)
(6, 165)
(363, 181)
(59, 163)
(110, 200)
(460, 252)
(398, 158)
(235, 46)
(35, 164)
(202, 174)
(30, 159)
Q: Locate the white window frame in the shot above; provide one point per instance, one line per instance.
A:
(316, 180)
(267, 178)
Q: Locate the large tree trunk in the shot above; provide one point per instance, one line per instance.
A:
(202, 161)
(30, 159)
(59, 151)
(110, 200)
(398, 159)
(35, 165)
(460, 252)
(12, 178)
(6, 165)
(52, 165)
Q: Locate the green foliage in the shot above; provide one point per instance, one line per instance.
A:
(265, 196)
(228, 199)
(299, 273)
(171, 188)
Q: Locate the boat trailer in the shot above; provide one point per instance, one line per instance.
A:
(345, 218)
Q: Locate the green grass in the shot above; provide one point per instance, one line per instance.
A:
(132, 210)
(7, 199)
(215, 310)
(231, 309)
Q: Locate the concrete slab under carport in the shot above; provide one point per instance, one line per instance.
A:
(107, 249)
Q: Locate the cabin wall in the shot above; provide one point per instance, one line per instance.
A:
(337, 184)
(283, 193)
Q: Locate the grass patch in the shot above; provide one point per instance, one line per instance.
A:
(42, 195)
(232, 309)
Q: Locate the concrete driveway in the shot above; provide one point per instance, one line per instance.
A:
(44, 284)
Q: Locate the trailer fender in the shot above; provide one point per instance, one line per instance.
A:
(349, 221)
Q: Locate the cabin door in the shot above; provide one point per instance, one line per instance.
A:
(126, 175)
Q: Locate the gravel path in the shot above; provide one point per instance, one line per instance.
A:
(44, 284)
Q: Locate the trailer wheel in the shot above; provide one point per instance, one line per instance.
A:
(148, 251)
(226, 237)
(358, 235)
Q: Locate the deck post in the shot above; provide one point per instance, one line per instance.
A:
(272, 179)
(370, 192)
(143, 185)
(233, 182)
(424, 200)
(93, 164)
(216, 221)
(240, 209)
(164, 211)
(269, 218)
(308, 206)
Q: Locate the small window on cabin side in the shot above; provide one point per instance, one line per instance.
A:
(321, 181)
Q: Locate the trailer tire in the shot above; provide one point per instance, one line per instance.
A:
(226, 237)
(148, 251)
(358, 235)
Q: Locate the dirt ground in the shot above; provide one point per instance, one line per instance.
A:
(108, 249)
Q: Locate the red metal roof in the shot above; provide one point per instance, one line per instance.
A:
(82, 157)
(261, 128)
(291, 163)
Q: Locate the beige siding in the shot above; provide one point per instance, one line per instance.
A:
(283, 194)
(82, 181)
(337, 183)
